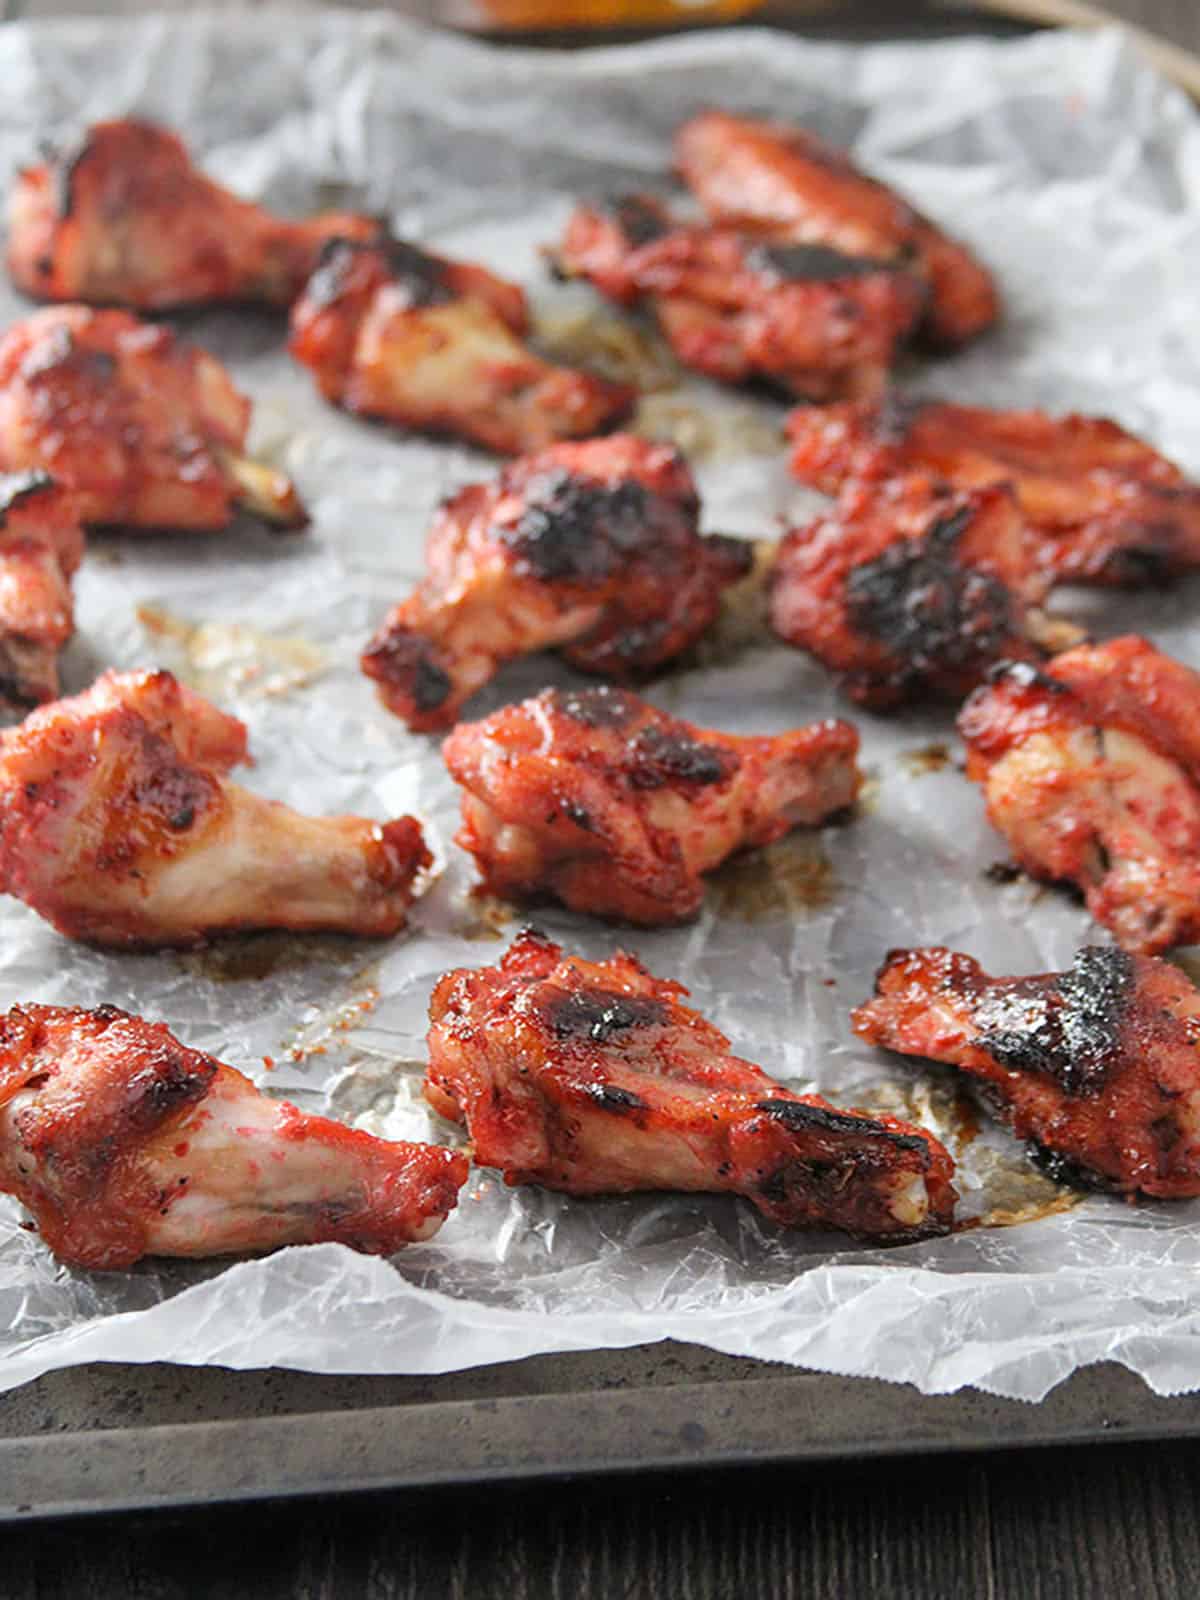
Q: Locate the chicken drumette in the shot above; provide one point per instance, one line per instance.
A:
(822, 324)
(117, 825)
(1091, 771)
(398, 334)
(122, 217)
(910, 588)
(147, 430)
(591, 548)
(594, 1078)
(41, 545)
(123, 1143)
(598, 800)
(1098, 1067)
(1108, 508)
(784, 184)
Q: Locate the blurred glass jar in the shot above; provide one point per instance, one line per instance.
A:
(567, 14)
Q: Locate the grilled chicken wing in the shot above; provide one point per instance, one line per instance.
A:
(594, 1078)
(1091, 771)
(1097, 1067)
(124, 1143)
(785, 184)
(1110, 509)
(117, 826)
(616, 809)
(909, 589)
(122, 217)
(591, 548)
(41, 545)
(822, 324)
(147, 430)
(395, 333)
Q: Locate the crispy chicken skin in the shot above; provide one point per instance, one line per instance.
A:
(395, 333)
(598, 800)
(41, 546)
(910, 589)
(821, 324)
(785, 184)
(118, 827)
(1098, 1068)
(124, 1143)
(1110, 509)
(594, 1078)
(1091, 771)
(148, 431)
(122, 217)
(593, 549)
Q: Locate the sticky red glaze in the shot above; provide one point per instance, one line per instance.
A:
(595, 1078)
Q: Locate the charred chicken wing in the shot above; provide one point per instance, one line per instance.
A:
(822, 324)
(594, 1078)
(124, 1143)
(41, 545)
(591, 548)
(1098, 1067)
(787, 185)
(596, 799)
(147, 430)
(117, 825)
(395, 333)
(1109, 509)
(1091, 771)
(910, 588)
(122, 217)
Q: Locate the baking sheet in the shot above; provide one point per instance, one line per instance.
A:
(1075, 173)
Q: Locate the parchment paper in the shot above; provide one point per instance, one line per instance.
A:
(1076, 174)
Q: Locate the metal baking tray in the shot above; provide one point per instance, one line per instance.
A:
(105, 1438)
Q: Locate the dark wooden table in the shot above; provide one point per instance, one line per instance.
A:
(1111, 1519)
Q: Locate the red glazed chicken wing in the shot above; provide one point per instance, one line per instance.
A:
(41, 545)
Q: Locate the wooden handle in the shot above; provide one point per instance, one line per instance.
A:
(1174, 62)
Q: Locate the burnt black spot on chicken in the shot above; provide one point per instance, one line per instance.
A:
(64, 162)
(403, 661)
(1061, 1169)
(164, 1086)
(639, 218)
(659, 755)
(1150, 564)
(420, 275)
(928, 611)
(577, 814)
(611, 1097)
(578, 530)
(800, 1117)
(1067, 1027)
(734, 557)
(810, 263)
(598, 1015)
(603, 707)
(17, 487)
(1024, 675)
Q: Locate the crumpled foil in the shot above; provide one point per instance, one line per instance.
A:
(1076, 174)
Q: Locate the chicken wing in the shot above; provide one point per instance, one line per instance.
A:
(395, 333)
(598, 800)
(124, 1143)
(785, 184)
(821, 324)
(1110, 509)
(41, 546)
(591, 548)
(118, 827)
(594, 1078)
(147, 430)
(122, 217)
(910, 589)
(1091, 771)
(1097, 1067)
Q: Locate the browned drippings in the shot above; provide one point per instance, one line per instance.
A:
(323, 1030)
(783, 880)
(218, 658)
(927, 758)
(250, 957)
(723, 434)
(616, 348)
(488, 918)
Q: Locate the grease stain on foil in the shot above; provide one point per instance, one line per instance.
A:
(786, 879)
(220, 659)
(719, 433)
